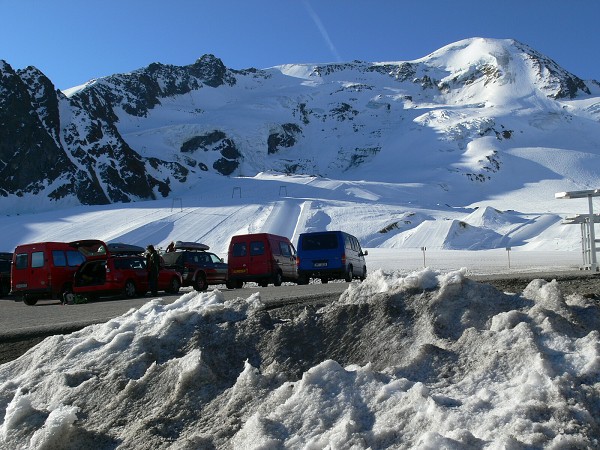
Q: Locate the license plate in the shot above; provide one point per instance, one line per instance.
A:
(240, 270)
(21, 285)
(323, 264)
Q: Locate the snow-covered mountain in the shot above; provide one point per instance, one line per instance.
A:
(481, 122)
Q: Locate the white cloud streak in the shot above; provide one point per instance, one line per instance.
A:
(316, 19)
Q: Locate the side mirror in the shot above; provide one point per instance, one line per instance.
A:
(365, 253)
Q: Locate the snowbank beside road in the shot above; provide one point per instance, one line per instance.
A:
(423, 360)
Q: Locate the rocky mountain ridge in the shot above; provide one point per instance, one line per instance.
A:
(160, 129)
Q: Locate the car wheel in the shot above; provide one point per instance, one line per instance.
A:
(239, 284)
(302, 279)
(278, 279)
(324, 280)
(29, 301)
(230, 284)
(174, 286)
(364, 274)
(129, 289)
(67, 297)
(200, 283)
(349, 274)
(263, 283)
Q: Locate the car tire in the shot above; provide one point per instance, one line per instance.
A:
(263, 283)
(29, 301)
(239, 284)
(230, 284)
(302, 279)
(129, 290)
(67, 297)
(174, 285)
(364, 274)
(349, 275)
(278, 280)
(324, 280)
(200, 283)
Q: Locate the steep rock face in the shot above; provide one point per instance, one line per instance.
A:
(31, 157)
(559, 82)
(143, 89)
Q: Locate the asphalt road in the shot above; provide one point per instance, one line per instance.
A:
(22, 326)
(50, 317)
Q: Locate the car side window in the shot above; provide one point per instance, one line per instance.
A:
(58, 258)
(215, 259)
(285, 249)
(257, 248)
(74, 258)
(239, 249)
(21, 261)
(138, 264)
(347, 242)
(37, 259)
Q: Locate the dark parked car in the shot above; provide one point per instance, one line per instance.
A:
(198, 267)
(122, 270)
(5, 261)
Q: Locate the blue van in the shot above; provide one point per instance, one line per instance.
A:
(330, 255)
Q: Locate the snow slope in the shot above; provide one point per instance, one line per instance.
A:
(404, 154)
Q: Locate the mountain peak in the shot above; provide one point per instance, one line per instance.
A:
(448, 120)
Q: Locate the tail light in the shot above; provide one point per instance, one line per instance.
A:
(343, 259)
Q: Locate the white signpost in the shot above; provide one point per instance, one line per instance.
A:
(588, 235)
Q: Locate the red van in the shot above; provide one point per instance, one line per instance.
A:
(263, 258)
(46, 269)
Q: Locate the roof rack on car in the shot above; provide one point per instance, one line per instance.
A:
(181, 245)
(124, 249)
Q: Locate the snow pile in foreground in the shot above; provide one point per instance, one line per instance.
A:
(428, 360)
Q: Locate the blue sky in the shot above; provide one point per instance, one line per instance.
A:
(73, 41)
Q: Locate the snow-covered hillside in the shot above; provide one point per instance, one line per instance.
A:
(461, 149)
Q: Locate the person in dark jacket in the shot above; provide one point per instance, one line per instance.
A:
(153, 266)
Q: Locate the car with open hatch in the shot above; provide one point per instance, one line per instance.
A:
(121, 270)
(198, 267)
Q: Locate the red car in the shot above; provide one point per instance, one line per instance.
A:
(122, 270)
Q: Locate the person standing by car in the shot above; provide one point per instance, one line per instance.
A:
(153, 266)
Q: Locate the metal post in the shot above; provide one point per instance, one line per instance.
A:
(423, 250)
(594, 263)
(508, 253)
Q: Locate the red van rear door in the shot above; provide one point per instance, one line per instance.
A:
(260, 257)
(238, 258)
